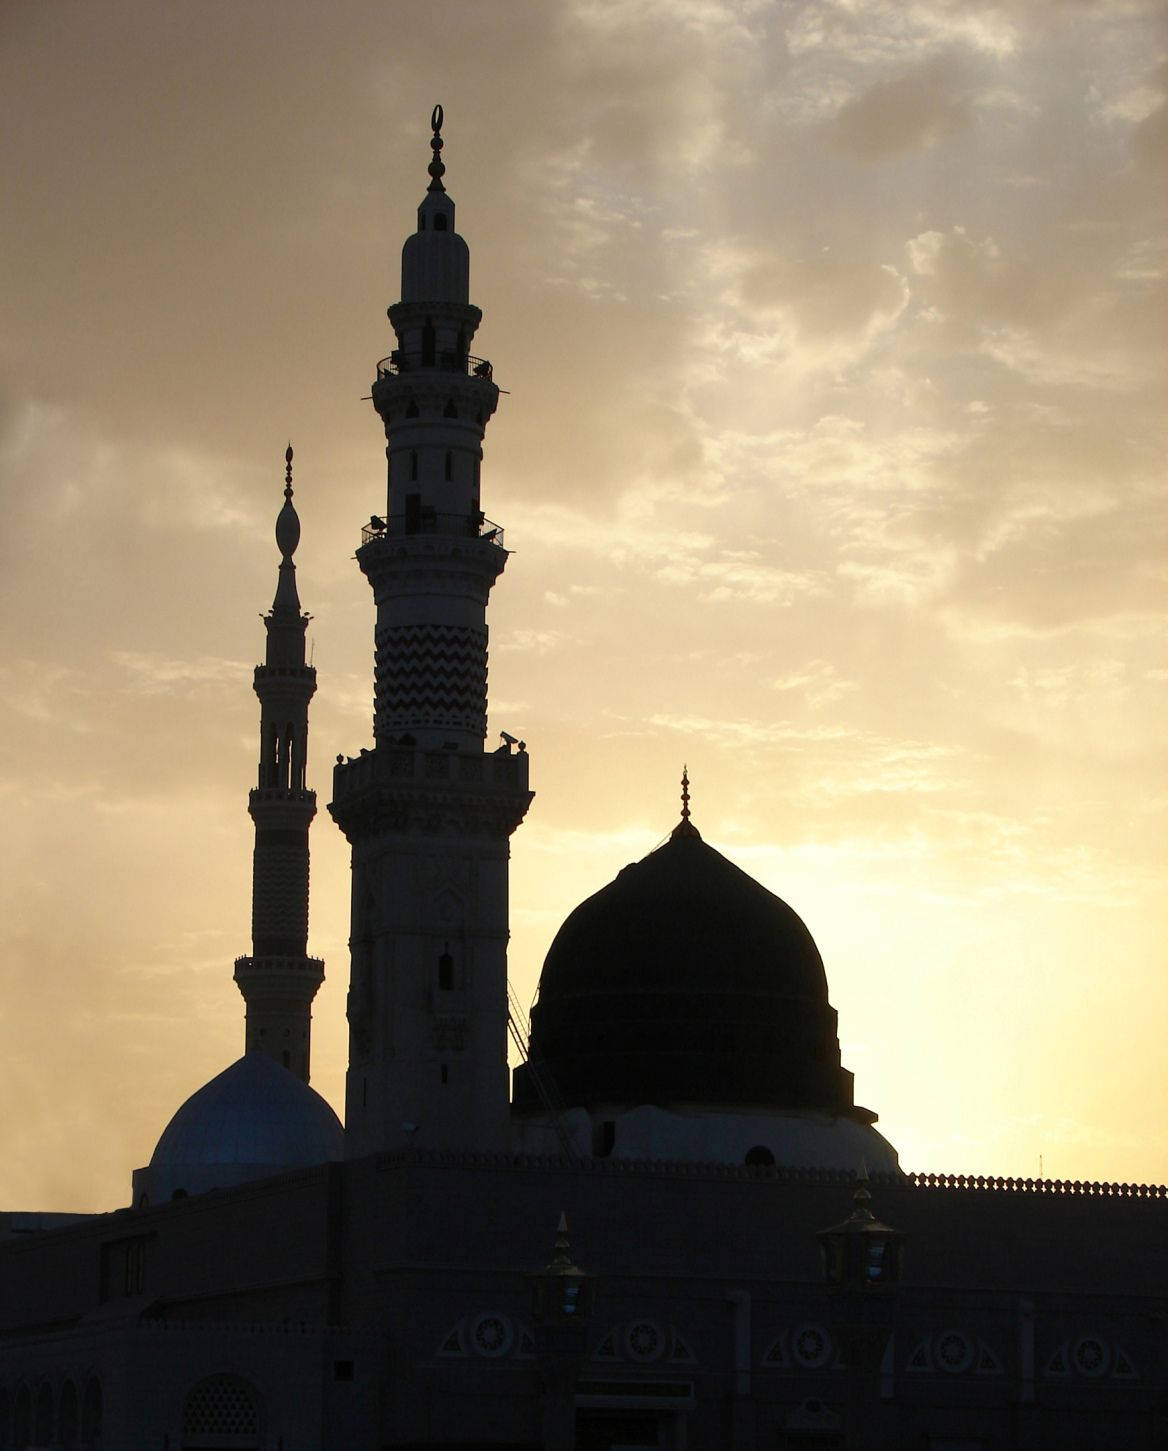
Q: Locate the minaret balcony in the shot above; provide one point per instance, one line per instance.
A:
(400, 786)
(429, 521)
(402, 360)
(284, 793)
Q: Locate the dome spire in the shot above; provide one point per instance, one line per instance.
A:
(685, 827)
(436, 168)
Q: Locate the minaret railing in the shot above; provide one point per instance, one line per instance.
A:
(429, 521)
(403, 360)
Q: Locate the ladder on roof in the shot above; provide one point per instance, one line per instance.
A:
(519, 1027)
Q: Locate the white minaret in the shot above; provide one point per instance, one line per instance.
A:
(428, 811)
(279, 980)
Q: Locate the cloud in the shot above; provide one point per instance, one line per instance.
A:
(153, 674)
(913, 111)
(741, 580)
(818, 683)
(823, 297)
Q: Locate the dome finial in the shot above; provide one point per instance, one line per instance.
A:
(436, 169)
(685, 826)
(288, 472)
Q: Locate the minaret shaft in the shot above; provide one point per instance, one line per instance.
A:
(428, 812)
(279, 980)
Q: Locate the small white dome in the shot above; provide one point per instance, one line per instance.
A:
(252, 1120)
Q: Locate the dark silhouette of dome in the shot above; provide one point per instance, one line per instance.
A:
(252, 1120)
(685, 982)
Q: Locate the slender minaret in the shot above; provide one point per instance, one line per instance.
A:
(428, 811)
(279, 980)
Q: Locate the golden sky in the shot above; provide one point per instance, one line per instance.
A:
(831, 458)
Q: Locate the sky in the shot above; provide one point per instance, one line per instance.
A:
(831, 460)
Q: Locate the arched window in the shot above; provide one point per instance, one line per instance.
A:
(440, 221)
(221, 1411)
(412, 411)
(450, 411)
(68, 1421)
(759, 1157)
(445, 972)
(449, 465)
(413, 463)
(91, 1412)
(22, 1418)
(271, 773)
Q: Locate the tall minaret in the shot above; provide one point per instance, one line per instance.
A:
(428, 811)
(279, 980)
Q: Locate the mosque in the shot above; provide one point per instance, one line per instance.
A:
(674, 1228)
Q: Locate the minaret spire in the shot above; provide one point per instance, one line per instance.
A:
(429, 811)
(285, 623)
(279, 980)
(436, 168)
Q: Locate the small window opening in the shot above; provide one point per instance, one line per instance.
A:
(759, 1157)
(342, 1370)
(604, 1138)
(413, 513)
(412, 410)
(286, 1058)
(450, 411)
(440, 221)
(413, 463)
(449, 465)
(445, 972)
(364, 1092)
(445, 1074)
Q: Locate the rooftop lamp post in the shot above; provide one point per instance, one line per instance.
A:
(862, 1261)
(561, 1306)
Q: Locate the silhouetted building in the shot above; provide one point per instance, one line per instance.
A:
(277, 1284)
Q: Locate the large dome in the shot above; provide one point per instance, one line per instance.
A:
(252, 1120)
(684, 982)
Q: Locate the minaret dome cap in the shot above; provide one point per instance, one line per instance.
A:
(435, 259)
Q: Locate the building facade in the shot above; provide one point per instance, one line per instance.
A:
(624, 1249)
